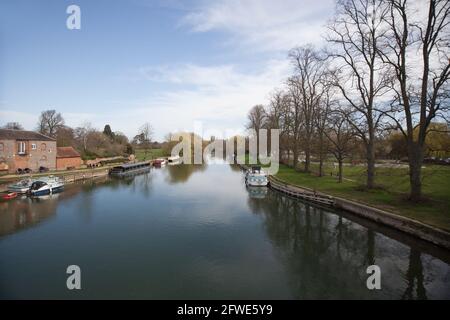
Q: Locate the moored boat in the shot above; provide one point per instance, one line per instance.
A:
(21, 187)
(160, 162)
(46, 186)
(10, 196)
(174, 160)
(128, 169)
(256, 177)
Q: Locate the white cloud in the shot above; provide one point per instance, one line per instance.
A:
(263, 24)
(219, 97)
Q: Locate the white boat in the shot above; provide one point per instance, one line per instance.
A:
(21, 187)
(46, 186)
(174, 160)
(160, 162)
(255, 177)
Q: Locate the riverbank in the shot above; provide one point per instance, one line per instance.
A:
(342, 196)
(391, 192)
(416, 228)
(69, 176)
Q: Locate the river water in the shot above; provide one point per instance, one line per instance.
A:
(196, 232)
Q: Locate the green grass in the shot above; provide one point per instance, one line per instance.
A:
(149, 154)
(391, 193)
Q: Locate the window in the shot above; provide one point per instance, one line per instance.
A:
(21, 148)
(43, 147)
(2, 147)
(33, 146)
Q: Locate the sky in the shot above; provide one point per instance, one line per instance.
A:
(178, 65)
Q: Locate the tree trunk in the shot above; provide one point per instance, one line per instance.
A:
(307, 159)
(415, 159)
(340, 174)
(370, 165)
(321, 166)
(295, 162)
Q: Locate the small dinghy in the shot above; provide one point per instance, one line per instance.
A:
(10, 196)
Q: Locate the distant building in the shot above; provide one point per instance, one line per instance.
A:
(20, 149)
(67, 157)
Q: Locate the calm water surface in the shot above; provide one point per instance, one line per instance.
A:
(196, 232)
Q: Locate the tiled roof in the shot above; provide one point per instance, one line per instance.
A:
(66, 152)
(8, 134)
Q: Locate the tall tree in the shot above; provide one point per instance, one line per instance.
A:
(309, 70)
(295, 116)
(256, 120)
(49, 122)
(145, 137)
(340, 134)
(419, 52)
(355, 36)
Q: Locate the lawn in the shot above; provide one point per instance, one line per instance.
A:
(149, 154)
(391, 192)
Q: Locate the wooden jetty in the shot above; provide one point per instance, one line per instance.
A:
(302, 193)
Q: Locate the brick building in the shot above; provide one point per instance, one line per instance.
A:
(20, 149)
(67, 157)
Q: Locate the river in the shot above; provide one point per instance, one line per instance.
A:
(196, 232)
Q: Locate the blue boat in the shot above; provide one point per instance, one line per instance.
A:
(46, 186)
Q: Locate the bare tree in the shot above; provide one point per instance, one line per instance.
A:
(361, 77)
(256, 121)
(82, 135)
(321, 120)
(13, 126)
(145, 137)
(310, 70)
(295, 116)
(419, 52)
(49, 122)
(340, 134)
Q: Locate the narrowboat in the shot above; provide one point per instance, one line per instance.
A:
(46, 186)
(255, 177)
(128, 169)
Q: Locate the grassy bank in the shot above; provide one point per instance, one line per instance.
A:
(149, 154)
(391, 193)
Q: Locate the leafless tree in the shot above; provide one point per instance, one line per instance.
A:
(256, 121)
(82, 134)
(341, 136)
(49, 122)
(295, 117)
(13, 126)
(309, 71)
(419, 52)
(326, 106)
(361, 77)
(145, 137)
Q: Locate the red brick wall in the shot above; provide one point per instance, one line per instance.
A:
(64, 163)
(44, 154)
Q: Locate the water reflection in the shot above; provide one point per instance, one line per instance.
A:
(188, 232)
(327, 254)
(181, 173)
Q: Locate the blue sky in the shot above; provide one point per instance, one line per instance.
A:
(175, 64)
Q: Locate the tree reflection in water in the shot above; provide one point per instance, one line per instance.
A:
(327, 254)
